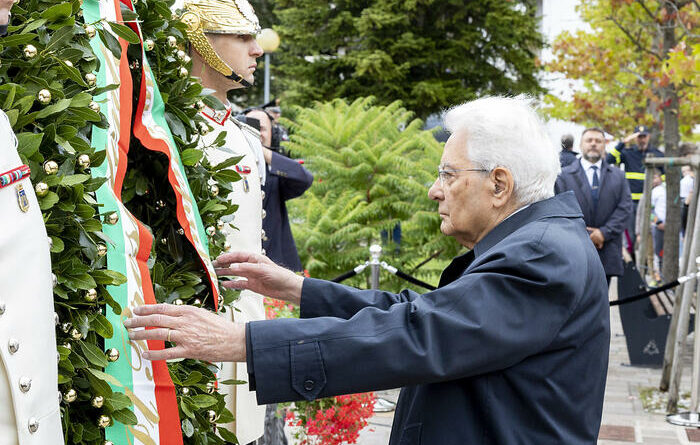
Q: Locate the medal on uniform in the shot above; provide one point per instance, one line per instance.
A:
(22, 199)
(244, 170)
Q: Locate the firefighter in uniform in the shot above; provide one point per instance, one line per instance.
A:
(29, 397)
(224, 50)
(633, 158)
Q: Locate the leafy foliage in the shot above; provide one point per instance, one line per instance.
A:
(622, 79)
(373, 166)
(428, 54)
(60, 131)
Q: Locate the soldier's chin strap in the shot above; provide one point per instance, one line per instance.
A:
(239, 79)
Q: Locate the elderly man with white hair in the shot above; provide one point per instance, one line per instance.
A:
(512, 348)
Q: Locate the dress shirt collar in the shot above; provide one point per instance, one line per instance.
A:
(587, 165)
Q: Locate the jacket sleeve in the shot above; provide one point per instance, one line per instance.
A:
(294, 178)
(321, 298)
(489, 319)
(615, 155)
(620, 217)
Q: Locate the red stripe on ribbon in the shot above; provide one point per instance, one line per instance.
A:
(169, 428)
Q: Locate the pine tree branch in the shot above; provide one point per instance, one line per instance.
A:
(632, 38)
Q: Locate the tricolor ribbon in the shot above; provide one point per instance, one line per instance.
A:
(146, 383)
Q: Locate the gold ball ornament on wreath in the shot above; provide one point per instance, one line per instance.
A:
(90, 31)
(181, 54)
(50, 167)
(101, 250)
(91, 295)
(200, 105)
(68, 62)
(214, 190)
(44, 96)
(70, 396)
(197, 302)
(178, 302)
(112, 354)
(65, 327)
(185, 391)
(186, 59)
(227, 246)
(75, 334)
(41, 189)
(211, 231)
(67, 346)
(203, 128)
(91, 79)
(220, 225)
(94, 106)
(172, 41)
(84, 161)
(29, 51)
(164, 241)
(104, 421)
(97, 401)
(211, 387)
(211, 415)
(182, 72)
(149, 44)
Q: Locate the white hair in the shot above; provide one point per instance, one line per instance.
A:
(507, 132)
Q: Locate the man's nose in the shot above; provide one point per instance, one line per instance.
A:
(256, 50)
(435, 192)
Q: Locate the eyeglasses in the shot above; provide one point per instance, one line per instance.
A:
(444, 174)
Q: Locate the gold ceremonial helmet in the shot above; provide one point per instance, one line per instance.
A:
(218, 17)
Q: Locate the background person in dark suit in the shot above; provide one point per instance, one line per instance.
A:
(286, 179)
(512, 348)
(604, 197)
(567, 155)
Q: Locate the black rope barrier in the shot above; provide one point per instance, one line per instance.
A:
(413, 280)
(344, 276)
(647, 294)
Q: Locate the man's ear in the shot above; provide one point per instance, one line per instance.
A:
(503, 185)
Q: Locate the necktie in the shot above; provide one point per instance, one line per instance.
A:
(594, 186)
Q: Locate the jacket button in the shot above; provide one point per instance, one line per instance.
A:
(25, 384)
(264, 214)
(13, 345)
(263, 252)
(2, 308)
(309, 385)
(262, 194)
(33, 424)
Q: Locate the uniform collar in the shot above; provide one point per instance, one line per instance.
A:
(216, 116)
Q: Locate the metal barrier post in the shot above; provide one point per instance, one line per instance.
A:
(375, 251)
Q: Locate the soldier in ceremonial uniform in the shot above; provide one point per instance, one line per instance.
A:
(224, 52)
(29, 397)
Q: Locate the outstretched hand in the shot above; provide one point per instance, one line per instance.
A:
(196, 332)
(261, 276)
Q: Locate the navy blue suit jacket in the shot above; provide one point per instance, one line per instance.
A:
(286, 179)
(512, 348)
(611, 215)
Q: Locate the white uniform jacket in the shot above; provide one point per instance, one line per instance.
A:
(29, 397)
(244, 233)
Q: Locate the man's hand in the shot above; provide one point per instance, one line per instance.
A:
(597, 237)
(197, 333)
(262, 276)
(5, 6)
(631, 137)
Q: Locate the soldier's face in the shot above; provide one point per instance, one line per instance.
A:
(239, 52)
(592, 146)
(265, 126)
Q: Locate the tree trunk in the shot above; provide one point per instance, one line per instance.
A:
(671, 137)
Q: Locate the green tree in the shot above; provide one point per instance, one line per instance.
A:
(427, 54)
(372, 168)
(47, 91)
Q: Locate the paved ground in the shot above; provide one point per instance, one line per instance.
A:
(624, 419)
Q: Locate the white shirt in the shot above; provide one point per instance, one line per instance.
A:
(687, 183)
(658, 201)
(589, 171)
